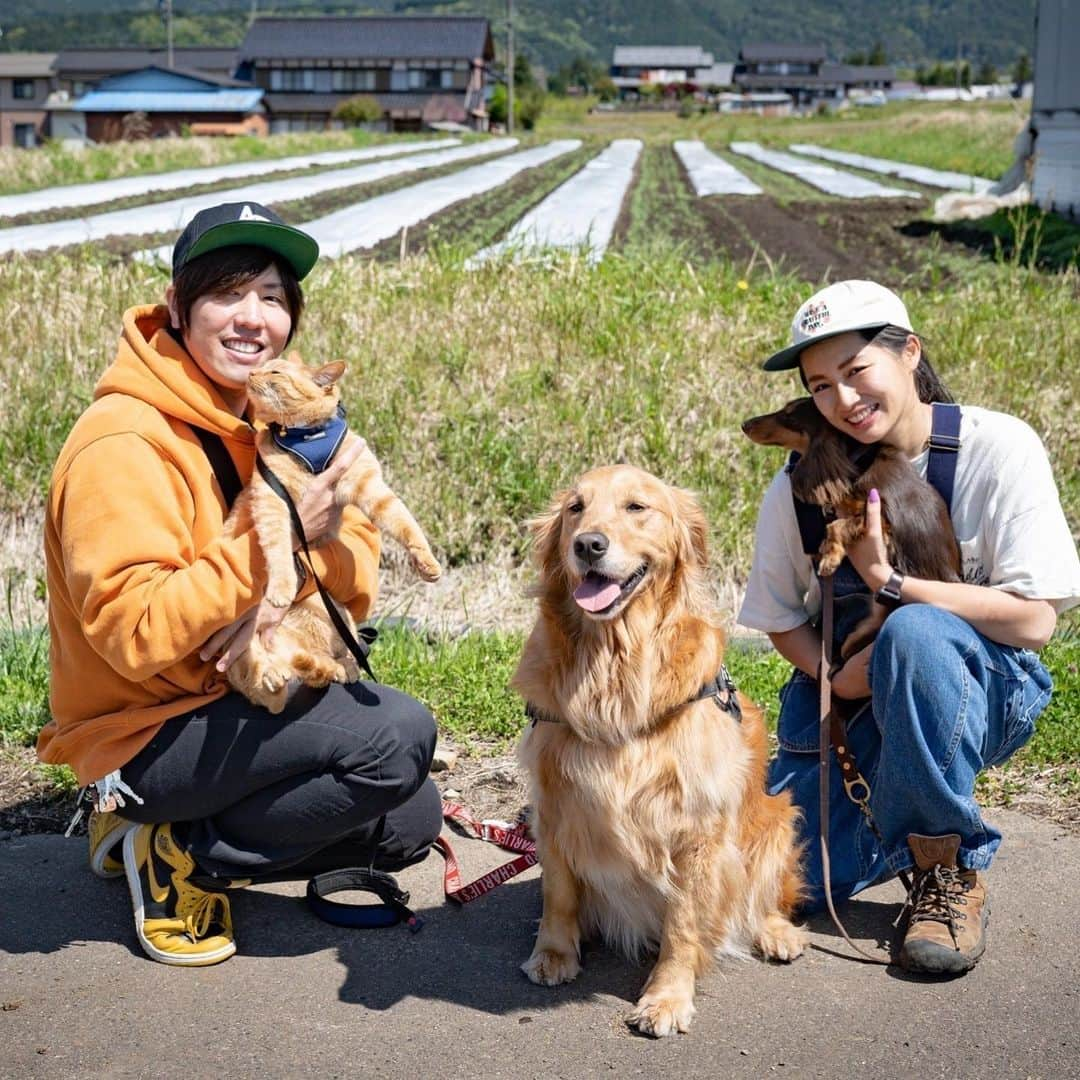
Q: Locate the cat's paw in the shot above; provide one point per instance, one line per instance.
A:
(273, 679)
(279, 597)
(425, 564)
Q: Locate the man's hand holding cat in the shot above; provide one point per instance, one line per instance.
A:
(317, 509)
(232, 640)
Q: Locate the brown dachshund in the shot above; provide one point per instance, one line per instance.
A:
(837, 472)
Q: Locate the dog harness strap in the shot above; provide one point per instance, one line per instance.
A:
(360, 643)
(501, 833)
(314, 447)
(944, 450)
(721, 689)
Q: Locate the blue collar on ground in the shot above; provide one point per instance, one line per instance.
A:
(314, 446)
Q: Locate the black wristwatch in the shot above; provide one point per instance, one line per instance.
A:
(889, 593)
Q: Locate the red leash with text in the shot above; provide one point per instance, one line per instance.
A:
(509, 837)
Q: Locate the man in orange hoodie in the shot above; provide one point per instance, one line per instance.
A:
(149, 603)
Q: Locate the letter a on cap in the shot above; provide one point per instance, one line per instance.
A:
(247, 214)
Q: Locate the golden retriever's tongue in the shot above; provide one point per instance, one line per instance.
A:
(596, 593)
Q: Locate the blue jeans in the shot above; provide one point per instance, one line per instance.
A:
(947, 702)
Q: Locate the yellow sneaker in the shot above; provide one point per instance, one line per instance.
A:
(106, 833)
(177, 921)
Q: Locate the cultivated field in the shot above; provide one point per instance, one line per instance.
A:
(485, 390)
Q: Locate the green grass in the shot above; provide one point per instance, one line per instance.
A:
(464, 681)
(57, 164)
(972, 137)
(483, 392)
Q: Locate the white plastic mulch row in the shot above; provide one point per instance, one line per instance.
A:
(710, 174)
(580, 213)
(173, 215)
(953, 181)
(101, 191)
(368, 223)
(823, 177)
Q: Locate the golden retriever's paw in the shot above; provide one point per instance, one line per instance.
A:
(425, 564)
(546, 967)
(781, 939)
(658, 1015)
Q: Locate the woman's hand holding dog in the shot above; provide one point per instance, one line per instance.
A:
(868, 554)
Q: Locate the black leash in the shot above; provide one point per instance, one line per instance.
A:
(359, 645)
(393, 907)
(394, 901)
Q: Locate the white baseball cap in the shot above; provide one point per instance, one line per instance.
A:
(836, 309)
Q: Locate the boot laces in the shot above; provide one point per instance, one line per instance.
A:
(937, 896)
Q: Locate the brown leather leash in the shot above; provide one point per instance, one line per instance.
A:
(832, 735)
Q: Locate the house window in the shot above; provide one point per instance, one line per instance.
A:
(23, 89)
(25, 135)
(353, 80)
(425, 79)
(295, 79)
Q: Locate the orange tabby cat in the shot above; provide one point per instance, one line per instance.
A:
(285, 394)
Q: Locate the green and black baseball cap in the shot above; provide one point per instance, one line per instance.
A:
(232, 224)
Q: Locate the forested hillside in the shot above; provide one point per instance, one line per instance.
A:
(553, 32)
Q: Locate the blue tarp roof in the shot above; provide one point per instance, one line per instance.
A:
(150, 101)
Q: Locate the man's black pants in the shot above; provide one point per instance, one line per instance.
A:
(303, 791)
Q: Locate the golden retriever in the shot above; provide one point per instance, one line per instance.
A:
(649, 807)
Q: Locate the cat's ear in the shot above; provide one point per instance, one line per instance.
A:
(329, 374)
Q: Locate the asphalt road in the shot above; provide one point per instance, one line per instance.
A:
(302, 997)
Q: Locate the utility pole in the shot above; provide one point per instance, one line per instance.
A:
(509, 67)
(165, 8)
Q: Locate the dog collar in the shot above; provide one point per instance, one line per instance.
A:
(314, 446)
(721, 689)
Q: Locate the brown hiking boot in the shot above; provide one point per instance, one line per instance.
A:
(948, 910)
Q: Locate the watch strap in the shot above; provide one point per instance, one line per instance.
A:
(889, 593)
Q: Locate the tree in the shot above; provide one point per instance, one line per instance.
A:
(528, 105)
(362, 109)
(523, 72)
(987, 74)
(581, 73)
(497, 105)
(606, 89)
(857, 59)
(878, 56)
(1023, 72)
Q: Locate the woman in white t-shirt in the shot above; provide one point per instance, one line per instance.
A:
(953, 680)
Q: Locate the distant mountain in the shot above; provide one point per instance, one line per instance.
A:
(552, 32)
